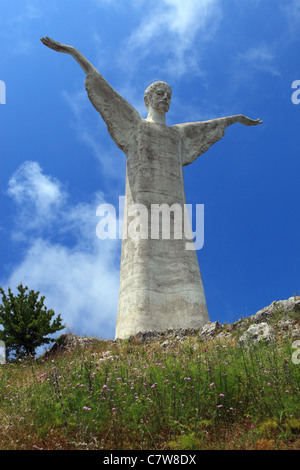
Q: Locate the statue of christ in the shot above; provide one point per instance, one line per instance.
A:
(160, 280)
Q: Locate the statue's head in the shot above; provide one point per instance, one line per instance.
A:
(158, 96)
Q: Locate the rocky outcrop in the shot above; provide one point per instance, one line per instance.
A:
(277, 319)
(262, 326)
(290, 305)
(69, 342)
(256, 333)
(210, 330)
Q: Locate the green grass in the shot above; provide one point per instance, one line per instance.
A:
(134, 396)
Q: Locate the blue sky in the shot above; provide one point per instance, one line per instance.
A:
(58, 162)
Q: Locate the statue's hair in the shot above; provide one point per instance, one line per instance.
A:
(149, 91)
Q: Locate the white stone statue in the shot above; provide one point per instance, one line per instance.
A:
(160, 281)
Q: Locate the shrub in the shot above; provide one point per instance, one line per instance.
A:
(26, 321)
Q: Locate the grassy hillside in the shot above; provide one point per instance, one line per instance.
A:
(182, 393)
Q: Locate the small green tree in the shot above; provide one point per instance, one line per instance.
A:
(26, 321)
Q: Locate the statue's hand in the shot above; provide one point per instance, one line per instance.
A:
(57, 46)
(247, 121)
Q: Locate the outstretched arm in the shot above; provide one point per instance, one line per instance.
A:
(86, 66)
(198, 137)
(119, 116)
(238, 118)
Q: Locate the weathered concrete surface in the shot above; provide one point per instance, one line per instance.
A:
(160, 280)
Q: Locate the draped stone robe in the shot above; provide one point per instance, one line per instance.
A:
(160, 281)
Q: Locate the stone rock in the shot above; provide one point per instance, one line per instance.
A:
(261, 330)
(169, 336)
(290, 305)
(295, 333)
(286, 324)
(67, 342)
(224, 335)
(145, 336)
(210, 330)
(240, 324)
(256, 333)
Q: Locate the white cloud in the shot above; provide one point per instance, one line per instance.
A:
(80, 275)
(259, 58)
(180, 19)
(80, 284)
(38, 197)
(29, 183)
(291, 8)
(172, 26)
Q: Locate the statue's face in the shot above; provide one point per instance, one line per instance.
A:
(160, 98)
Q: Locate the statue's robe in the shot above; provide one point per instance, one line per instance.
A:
(160, 281)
